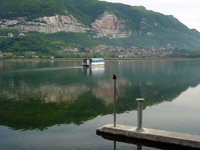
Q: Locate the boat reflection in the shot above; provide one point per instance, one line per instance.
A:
(94, 71)
(59, 95)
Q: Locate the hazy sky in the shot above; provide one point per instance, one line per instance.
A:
(186, 11)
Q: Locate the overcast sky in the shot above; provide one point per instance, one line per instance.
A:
(186, 11)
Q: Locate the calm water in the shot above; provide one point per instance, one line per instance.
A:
(59, 105)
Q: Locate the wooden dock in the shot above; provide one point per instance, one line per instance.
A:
(159, 136)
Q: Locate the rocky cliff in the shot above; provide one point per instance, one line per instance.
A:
(109, 25)
(50, 24)
(98, 18)
(106, 25)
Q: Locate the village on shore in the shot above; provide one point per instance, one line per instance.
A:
(103, 51)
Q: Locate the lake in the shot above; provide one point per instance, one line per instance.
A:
(57, 104)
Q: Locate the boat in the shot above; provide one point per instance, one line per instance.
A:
(87, 62)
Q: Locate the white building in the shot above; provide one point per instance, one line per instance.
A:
(10, 34)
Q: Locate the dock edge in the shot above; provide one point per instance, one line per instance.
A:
(160, 136)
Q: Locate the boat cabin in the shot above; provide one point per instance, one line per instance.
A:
(92, 62)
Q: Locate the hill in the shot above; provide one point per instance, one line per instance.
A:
(113, 24)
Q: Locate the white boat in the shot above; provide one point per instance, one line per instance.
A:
(92, 62)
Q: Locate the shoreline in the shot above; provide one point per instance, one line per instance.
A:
(68, 59)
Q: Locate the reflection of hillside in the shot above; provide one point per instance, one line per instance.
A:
(104, 90)
(54, 93)
(159, 81)
(49, 93)
(32, 113)
(42, 99)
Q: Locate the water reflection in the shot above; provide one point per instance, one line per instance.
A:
(94, 71)
(14, 65)
(60, 94)
(141, 144)
(57, 93)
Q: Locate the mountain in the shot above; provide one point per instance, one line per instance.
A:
(103, 22)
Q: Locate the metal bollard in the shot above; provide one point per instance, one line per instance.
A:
(114, 100)
(139, 116)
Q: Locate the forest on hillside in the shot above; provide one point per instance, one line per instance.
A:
(160, 31)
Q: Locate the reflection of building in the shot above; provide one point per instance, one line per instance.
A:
(1, 65)
(94, 71)
(1, 54)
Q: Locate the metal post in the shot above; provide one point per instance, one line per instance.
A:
(139, 119)
(139, 147)
(114, 145)
(114, 101)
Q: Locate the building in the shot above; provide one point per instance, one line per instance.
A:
(21, 34)
(6, 54)
(33, 53)
(10, 34)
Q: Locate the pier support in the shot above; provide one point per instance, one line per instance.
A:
(114, 100)
(159, 136)
(139, 114)
(150, 135)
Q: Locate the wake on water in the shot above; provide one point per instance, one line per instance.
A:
(38, 69)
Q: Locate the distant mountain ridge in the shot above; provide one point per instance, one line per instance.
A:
(124, 24)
